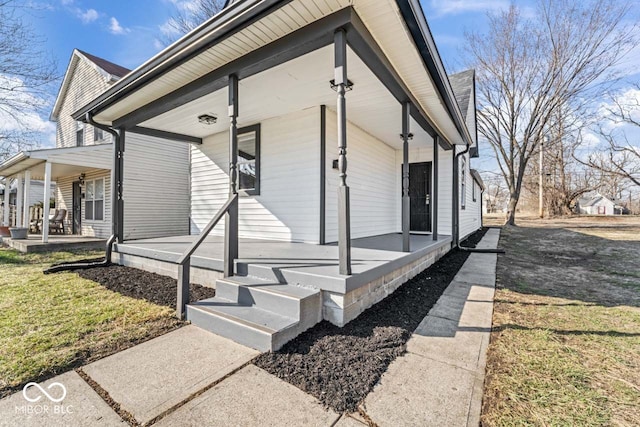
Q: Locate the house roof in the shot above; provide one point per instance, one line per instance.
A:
(109, 70)
(108, 66)
(231, 34)
(462, 85)
(476, 176)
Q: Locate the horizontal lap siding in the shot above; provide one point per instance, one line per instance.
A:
(94, 228)
(288, 205)
(156, 187)
(371, 177)
(470, 215)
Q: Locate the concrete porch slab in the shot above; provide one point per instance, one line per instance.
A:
(55, 244)
(251, 397)
(81, 406)
(151, 378)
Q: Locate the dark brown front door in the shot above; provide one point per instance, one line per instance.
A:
(419, 189)
(77, 208)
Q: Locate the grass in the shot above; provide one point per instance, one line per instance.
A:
(565, 346)
(51, 324)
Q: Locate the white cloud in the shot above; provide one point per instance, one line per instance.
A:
(168, 28)
(454, 7)
(66, 2)
(87, 16)
(116, 28)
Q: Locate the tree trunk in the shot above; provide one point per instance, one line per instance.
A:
(511, 210)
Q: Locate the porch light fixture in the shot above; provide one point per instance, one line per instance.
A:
(81, 178)
(409, 136)
(207, 119)
(334, 86)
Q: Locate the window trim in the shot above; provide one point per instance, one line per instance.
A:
(80, 127)
(473, 190)
(104, 199)
(255, 191)
(95, 134)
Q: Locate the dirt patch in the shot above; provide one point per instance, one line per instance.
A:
(140, 284)
(340, 366)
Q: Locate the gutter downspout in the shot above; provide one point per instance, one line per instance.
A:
(114, 236)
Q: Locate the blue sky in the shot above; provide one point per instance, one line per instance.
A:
(129, 32)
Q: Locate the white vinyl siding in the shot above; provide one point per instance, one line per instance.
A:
(289, 201)
(470, 216)
(156, 187)
(371, 177)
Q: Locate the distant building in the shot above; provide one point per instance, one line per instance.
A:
(599, 205)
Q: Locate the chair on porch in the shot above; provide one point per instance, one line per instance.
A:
(56, 224)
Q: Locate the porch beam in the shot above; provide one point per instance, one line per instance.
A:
(231, 216)
(47, 196)
(406, 237)
(344, 217)
(434, 191)
(363, 43)
(7, 198)
(307, 39)
(117, 186)
(171, 136)
(19, 196)
(27, 190)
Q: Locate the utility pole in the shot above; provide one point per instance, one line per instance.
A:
(540, 207)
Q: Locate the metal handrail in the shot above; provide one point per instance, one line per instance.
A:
(205, 232)
(184, 262)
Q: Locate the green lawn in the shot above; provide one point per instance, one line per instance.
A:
(565, 347)
(50, 324)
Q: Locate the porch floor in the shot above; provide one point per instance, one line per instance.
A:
(56, 243)
(372, 257)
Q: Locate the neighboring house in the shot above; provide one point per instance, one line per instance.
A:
(81, 165)
(598, 205)
(36, 192)
(351, 149)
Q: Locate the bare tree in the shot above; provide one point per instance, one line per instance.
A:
(188, 15)
(25, 78)
(621, 157)
(528, 69)
(496, 194)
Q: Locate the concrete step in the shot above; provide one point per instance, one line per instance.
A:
(245, 324)
(286, 300)
(287, 274)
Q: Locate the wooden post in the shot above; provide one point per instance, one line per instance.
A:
(47, 196)
(231, 217)
(184, 278)
(344, 215)
(19, 196)
(434, 193)
(406, 219)
(7, 207)
(25, 200)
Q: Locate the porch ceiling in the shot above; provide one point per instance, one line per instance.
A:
(293, 86)
(234, 33)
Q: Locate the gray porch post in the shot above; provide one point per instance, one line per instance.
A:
(47, 196)
(406, 237)
(7, 197)
(231, 217)
(344, 217)
(434, 191)
(19, 196)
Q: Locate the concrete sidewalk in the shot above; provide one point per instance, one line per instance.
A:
(191, 377)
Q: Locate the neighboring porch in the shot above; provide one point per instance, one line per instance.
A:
(55, 243)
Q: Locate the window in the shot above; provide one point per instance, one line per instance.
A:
(473, 188)
(249, 160)
(463, 183)
(94, 200)
(79, 134)
(98, 134)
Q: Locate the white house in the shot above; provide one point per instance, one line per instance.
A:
(598, 205)
(81, 165)
(330, 160)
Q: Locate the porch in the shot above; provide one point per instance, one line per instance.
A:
(55, 243)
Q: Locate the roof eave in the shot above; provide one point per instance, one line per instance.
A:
(413, 15)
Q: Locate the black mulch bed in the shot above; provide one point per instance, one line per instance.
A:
(340, 366)
(141, 284)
